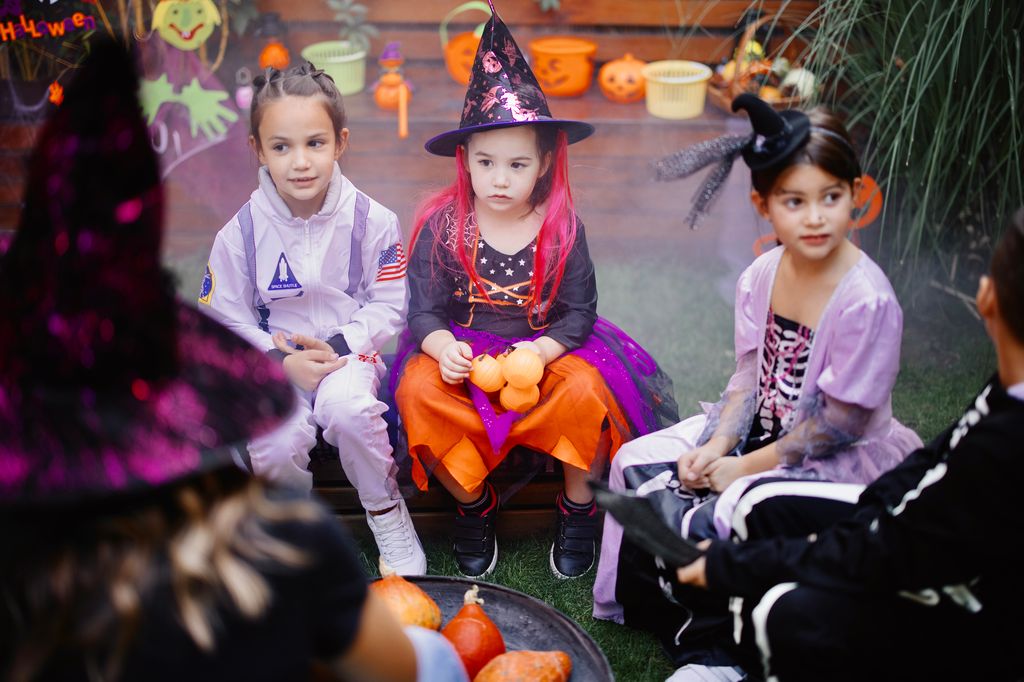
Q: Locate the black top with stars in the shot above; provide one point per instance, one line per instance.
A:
(440, 294)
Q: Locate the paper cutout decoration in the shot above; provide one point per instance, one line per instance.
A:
(185, 24)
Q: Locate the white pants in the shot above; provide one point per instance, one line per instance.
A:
(345, 405)
(667, 445)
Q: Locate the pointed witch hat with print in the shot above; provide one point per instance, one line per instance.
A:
(502, 92)
(109, 384)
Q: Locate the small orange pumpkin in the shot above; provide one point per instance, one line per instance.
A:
(522, 368)
(276, 55)
(519, 399)
(622, 80)
(536, 666)
(486, 373)
(409, 604)
(475, 636)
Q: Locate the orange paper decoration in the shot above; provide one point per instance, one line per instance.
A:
(56, 93)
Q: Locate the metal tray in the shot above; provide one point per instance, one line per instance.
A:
(525, 623)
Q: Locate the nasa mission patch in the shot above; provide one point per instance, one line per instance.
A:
(209, 284)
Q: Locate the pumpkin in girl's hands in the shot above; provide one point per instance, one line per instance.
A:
(622, 80)
(536, 666)
(475, 637)
(522, 368)
(410, 604)
(519, 399)
(486, 373)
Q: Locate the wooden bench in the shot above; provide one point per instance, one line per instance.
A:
(529, 512)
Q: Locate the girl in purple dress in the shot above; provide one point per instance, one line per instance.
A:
(817, 339)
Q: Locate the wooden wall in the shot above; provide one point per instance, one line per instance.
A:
(649, 29)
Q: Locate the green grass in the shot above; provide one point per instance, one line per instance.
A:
(677, 315)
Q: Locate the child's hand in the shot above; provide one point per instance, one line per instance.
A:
(723, 471)
(455, 362)
(530, 345)
(307, 368)
(307, 342)
(695, 574)
(693, 464)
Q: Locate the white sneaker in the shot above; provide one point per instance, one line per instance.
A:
(707, 673)
(397, 541)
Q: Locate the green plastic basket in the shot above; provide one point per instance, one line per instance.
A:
(342, 61)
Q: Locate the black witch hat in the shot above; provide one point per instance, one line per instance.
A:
(502, 92)
(775, 137)
(109, 384)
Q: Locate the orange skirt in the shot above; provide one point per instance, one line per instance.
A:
(443, 426)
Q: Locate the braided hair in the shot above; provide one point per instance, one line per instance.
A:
(302, 80)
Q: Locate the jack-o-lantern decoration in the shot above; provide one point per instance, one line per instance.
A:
(459, 54)
(622, 80)
(460, 50)
(276, 55)
(867, 201)
(563, 65)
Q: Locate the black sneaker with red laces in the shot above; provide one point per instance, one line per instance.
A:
(572, 552)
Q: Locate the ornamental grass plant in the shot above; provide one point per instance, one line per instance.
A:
(934, 92)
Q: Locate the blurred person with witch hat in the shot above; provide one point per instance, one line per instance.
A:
(500, 259)
(133, 545)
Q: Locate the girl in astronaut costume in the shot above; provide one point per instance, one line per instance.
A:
(312, 271)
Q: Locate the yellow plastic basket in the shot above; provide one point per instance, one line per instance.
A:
(676, 88)
(342, 61)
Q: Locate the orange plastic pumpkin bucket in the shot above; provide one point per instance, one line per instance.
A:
(563, 65)
(460, 50)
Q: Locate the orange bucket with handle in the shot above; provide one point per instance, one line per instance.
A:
(460, 50)
(563, 65)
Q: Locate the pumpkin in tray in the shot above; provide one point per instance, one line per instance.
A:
(475, 636)
(536, 666)
(408, 602)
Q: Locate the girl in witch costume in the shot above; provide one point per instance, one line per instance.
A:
(817, 334)
(922, 569)
(135, 548)
(500, 259)
(312, 271)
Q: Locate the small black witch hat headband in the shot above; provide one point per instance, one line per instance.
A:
(775, 137)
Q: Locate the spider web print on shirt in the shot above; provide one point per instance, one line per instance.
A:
(452, 229)
(787, 349)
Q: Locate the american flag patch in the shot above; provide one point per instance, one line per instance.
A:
(391, 264)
